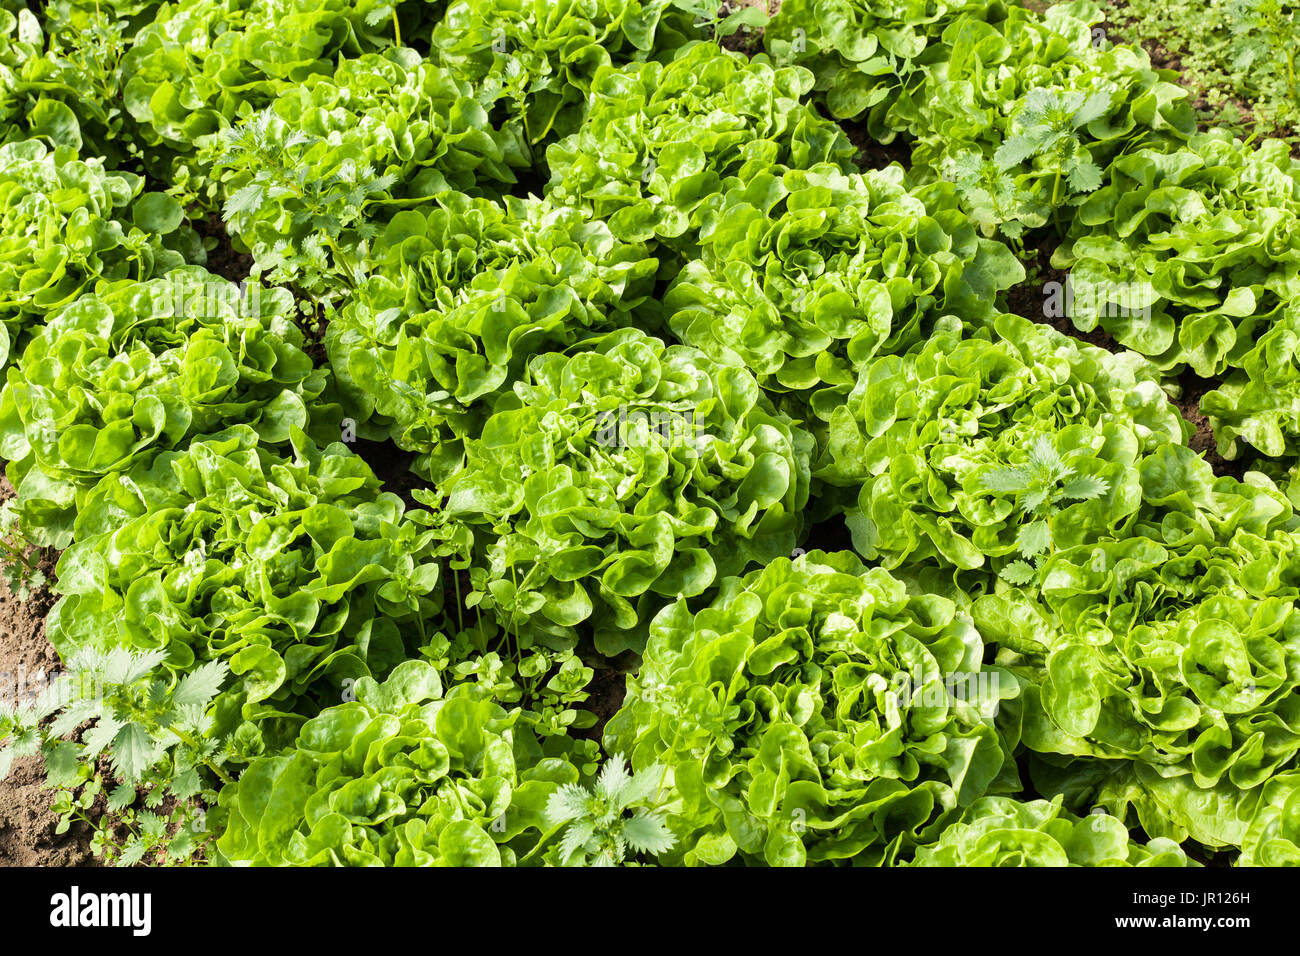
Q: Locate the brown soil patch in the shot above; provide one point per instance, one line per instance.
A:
(1202, 441)
(223, 260)
(27, 836)
(607, 690)
(873, 154)
(392, 466)
(1029, 298)
(745, 41)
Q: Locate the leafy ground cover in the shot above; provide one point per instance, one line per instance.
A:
(1234, 57)
(633, 432)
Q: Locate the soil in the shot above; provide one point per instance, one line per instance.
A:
(746, 41)
(27, 836)
(392, 466)
(873, 154)
(314, 330)
(1202, 441)
(223, 260)
(606, 692)
(1029, 297)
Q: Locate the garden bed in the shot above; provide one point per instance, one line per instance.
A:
(645, 434)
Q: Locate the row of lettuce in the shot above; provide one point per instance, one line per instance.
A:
(641, 321)
(312, 129)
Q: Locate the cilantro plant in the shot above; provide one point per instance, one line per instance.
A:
(991, 196)
(325, 206)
